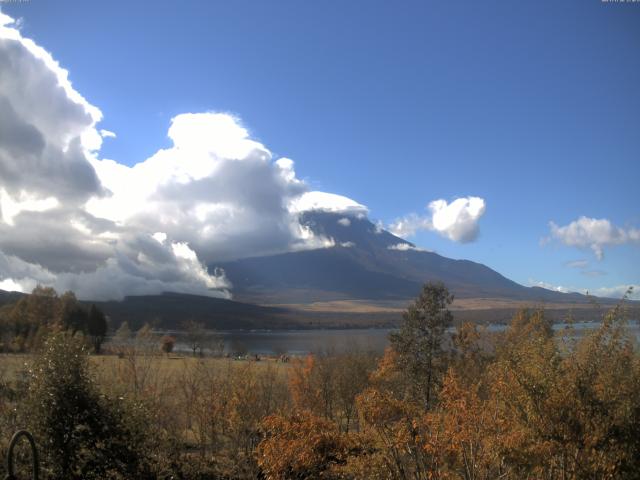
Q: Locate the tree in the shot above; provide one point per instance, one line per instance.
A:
(419, 341)
(82, 433)
(167, 343)
(96, 327)
(73, 316)
(566, 414)
(123, 334)
(301, 446)
(194, 335)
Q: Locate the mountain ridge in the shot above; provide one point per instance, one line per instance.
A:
(367, 263)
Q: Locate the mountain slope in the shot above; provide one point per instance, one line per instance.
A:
(370, 264)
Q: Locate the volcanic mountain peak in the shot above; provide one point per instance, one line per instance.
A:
(368, 263)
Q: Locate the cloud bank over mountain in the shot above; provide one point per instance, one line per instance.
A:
(73, 220)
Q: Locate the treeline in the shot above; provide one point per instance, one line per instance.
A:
(25, 323)
(524, 403)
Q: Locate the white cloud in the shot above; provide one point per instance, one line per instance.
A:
(107, 134)
(549, 286)
(409, 225)
(73, 220)
(344, 221)
(592, 233)
(142, 266)
(457, 221)
(47, 129)
(215, 189)
(577, 264)
(139, 265)
(328, 202)
(10, 285)
(11, 206)
(617, 291)
(48, 149)
(403, 247)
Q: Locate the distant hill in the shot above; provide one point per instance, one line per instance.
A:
(170, 310)
(368, 263)
(9, 297)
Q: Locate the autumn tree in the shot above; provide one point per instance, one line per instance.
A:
(460, 434)
(312, 386)
(301, 446)
(327, 384)
(390, 427)
(572, 414)
(167, 342)
(123, 332)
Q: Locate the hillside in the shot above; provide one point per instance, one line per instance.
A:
(368, 263)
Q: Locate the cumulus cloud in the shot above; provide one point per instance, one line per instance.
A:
(457, 221)
(48, 152)
(592, 233)
(74, 220)
(216, 189)
(47, 129)
(138, 265)
(344, 221)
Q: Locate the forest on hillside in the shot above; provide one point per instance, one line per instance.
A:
(524, 403)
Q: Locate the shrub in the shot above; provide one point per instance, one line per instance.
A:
(82, 434)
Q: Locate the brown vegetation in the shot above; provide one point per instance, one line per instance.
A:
(476, 405)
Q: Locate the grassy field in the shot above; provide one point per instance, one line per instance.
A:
(162, 366)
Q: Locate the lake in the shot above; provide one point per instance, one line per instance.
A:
(302, 342)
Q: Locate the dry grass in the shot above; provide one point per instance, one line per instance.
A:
(11, 365)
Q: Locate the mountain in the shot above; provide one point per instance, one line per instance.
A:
(366, 279)
(170, 310)
(9, 297)
(370, 264)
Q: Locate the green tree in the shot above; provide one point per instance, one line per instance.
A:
(72, 315)
(96, 327)
(82, 434)
(418, 343)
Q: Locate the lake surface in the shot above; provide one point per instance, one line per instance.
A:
(302, 342)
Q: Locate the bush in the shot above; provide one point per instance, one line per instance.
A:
(81, 433)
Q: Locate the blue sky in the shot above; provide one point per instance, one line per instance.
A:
(533, 106)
